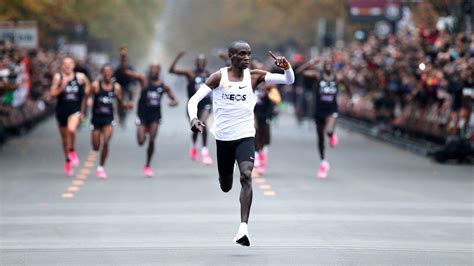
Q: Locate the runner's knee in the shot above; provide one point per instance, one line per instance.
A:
(140, 140)
(151, 143)
(246, 173)
(95, 146)
(71, 130)
(246, 178)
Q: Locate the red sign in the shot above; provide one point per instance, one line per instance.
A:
(374, 10)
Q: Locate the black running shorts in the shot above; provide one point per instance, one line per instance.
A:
(99, 123)
(145, 119)
(242, 150)
(63, 116)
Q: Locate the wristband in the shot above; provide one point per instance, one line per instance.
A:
(286, 68)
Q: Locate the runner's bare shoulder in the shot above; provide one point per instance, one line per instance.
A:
(82, 77)
(214, 80)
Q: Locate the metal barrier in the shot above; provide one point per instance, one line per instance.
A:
(435, 121)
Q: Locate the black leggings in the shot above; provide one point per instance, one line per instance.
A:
(242, 151)
(327, 125)
(262, 136)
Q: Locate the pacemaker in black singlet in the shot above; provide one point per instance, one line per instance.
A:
(149, 104)
(194, 84)
(69, 100)
(325, 98)
(103, 107)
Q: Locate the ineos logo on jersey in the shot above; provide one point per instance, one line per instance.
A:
(234, 97)
(153, 97)
(72, 88)
(153, 94)
(328, 90)
(106, 100)
(328, 87)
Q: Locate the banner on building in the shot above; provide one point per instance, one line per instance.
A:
(23, 34)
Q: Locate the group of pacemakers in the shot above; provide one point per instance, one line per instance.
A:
(242, 94)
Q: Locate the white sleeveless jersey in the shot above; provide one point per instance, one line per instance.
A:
(233, 104)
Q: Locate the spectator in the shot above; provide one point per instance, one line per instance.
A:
(24, 85)
(424, 71)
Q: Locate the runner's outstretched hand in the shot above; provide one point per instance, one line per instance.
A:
(197, 125)
(280, 61)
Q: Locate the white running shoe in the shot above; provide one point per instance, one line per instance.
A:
(242, 237)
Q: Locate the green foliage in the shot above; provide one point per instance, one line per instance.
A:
(129, 22)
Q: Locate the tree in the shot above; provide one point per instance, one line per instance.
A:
(120, 21)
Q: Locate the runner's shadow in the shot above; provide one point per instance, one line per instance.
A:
(243, 254)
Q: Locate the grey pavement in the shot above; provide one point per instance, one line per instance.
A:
(380, 206)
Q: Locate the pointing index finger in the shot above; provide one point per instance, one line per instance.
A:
(272, 55)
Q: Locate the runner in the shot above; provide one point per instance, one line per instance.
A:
(126, 83)
(105, 92)
(196, 77)
(71, 90)
(268, 97)
(149, 109)
(326, 86)
(234, 125)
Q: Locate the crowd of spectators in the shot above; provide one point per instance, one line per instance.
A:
(25, 77)
(419, 81)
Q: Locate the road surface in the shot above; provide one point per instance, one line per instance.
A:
(380, 206)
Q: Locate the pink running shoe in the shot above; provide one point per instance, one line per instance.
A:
(193, 154)
(333, 141)
(206, 159)
(262, 168)
(68, 172)
(256, 161)
(101, 173)
(74, 159)
(147, 171)
(323, 170)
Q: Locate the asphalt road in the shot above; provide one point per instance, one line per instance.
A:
(380, 206)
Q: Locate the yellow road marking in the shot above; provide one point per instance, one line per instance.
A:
(68, 195)
(85, 171)
(255, 173)
(73, 189)
(78, 182)
(81, 177)
(269, 193)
